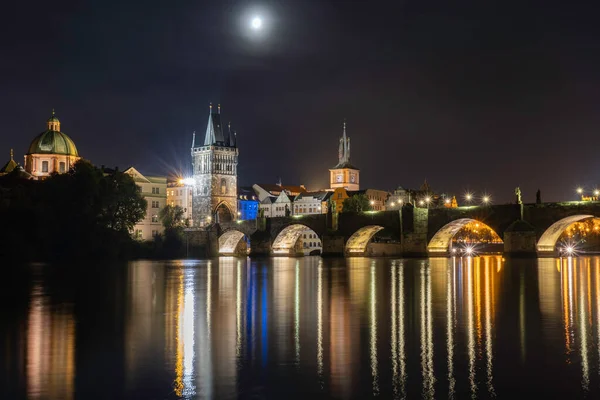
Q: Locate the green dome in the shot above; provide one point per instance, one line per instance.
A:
(53, 142)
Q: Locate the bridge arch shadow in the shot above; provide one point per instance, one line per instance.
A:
(440, 242)
(547, 242)
(288, 243)
(358, 242)
(233, 242)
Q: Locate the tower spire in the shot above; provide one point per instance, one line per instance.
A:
(193, 139)
(219, 108)
(11, 155)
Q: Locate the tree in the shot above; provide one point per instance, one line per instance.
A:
(83, 213)
(356, 203)
(171, 217)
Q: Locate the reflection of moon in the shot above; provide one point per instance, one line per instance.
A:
(256, 23)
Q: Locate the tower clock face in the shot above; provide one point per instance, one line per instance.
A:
(352, 178)
(338, 178)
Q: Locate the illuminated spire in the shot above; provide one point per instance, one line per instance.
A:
(11, 155)
(219, 108)
(193, 139)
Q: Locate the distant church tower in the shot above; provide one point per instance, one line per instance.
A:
(214, 163)
(344, 174)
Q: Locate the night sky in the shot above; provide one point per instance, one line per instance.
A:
(476, 95)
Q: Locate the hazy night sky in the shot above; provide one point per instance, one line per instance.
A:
(480, 95)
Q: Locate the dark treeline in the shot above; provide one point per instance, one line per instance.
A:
(82, 214)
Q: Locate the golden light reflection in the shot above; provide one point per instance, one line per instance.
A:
(397, 330)
(450, 318)
(297, 314)
(572, 296)
(373, 331)
(50, 367)
(427, 334)
(489, 296)
(238, 311)
(470, 327)
(320, 323)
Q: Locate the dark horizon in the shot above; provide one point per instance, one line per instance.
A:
(479, 97)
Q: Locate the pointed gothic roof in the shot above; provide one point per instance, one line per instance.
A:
(215, 132)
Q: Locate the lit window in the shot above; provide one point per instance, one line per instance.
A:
(155, 218)
(44, 166)
(62, 167)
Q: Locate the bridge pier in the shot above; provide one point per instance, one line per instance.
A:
(260, 244)
(333, 245)
(520, 240)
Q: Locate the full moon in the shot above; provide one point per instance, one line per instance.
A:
(256, 23)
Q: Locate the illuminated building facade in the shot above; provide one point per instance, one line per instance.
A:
(180, 194)
(247, 204)
(52, 151)
(214, 163)
(311, 203)
(344, 174)
(154, 190)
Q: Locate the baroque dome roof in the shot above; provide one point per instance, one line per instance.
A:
(52, 141)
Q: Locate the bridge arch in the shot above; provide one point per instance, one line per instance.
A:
(548, 239)
(440, 242)
(296, 239)
(358, 242)
(233, 242)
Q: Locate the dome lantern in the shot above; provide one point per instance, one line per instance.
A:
(53, 122)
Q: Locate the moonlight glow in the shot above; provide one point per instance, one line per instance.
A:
(256, 23)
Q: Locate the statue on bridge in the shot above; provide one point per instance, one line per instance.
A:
(287, 211)
(518, 194)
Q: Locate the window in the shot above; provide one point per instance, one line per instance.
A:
(155, 190)
(155, 218)
(305, 236)
(154, 233)
(138, 233)
(62, 168)
(155, 204)
(44, 166)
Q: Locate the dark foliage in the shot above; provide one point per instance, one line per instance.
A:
(81, 214)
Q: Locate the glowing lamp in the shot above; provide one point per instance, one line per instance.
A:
(187, 181)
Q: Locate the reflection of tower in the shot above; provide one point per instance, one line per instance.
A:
(214, 164)
(341, 340)
(50, 350)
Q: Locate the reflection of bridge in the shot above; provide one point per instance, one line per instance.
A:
(410, 231)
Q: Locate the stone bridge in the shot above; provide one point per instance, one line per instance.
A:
(527, 229)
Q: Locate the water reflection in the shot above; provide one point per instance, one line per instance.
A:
(50, 348)
(570, 293)
(344, 328)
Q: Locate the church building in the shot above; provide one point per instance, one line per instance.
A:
(52, 151)
(344, 175)
(214, 163)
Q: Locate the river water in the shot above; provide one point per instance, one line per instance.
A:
(308, 327)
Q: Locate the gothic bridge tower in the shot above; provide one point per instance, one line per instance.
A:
(214, 163)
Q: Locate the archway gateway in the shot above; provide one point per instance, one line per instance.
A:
(223, 213)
